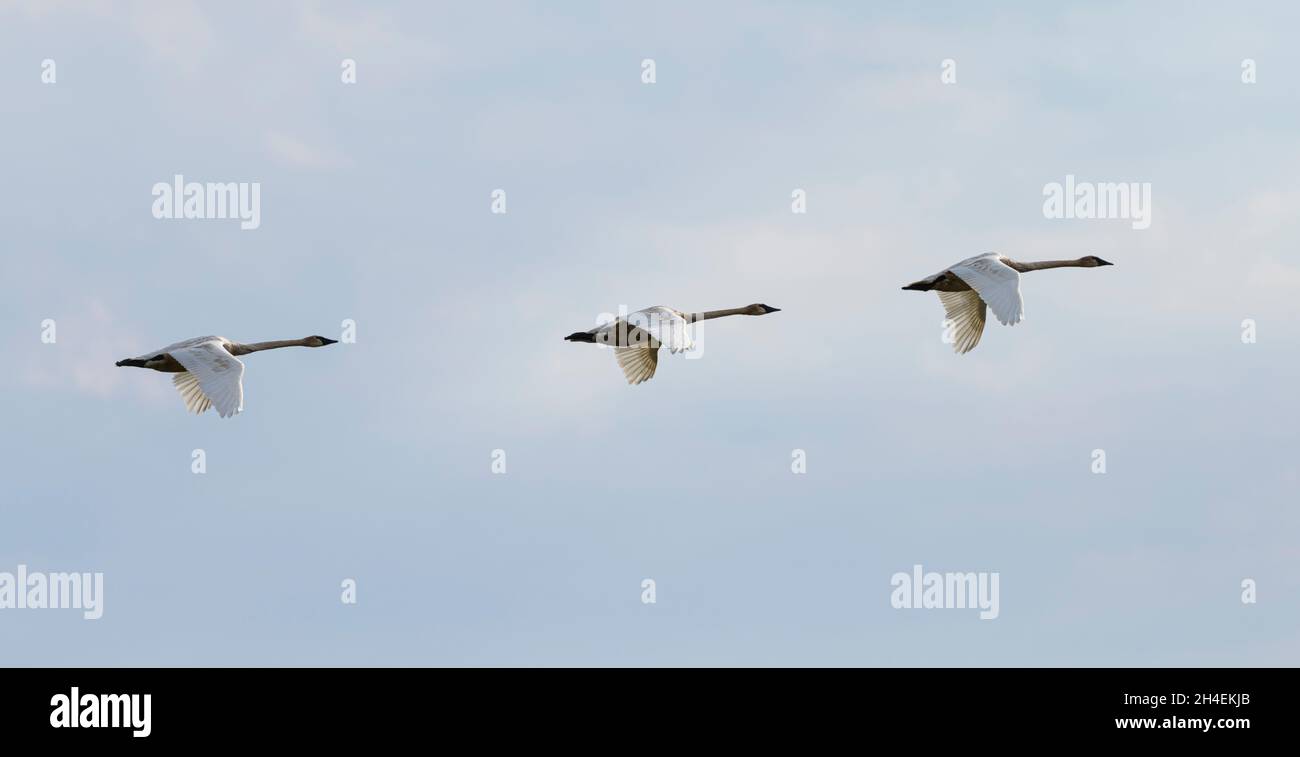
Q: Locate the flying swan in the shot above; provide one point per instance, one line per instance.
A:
(990, 280)
(636, 339)
(208, 373)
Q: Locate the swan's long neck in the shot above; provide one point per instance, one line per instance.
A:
(244, 349)
(1042, 264)
(708, 314)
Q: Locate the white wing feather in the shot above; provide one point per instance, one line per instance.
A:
(638, 363)
(668, 327)
(966, 312)
(997, 283)
(636, 339)
(181, 345)
(657, 326)
(218, 373)
(195, 400)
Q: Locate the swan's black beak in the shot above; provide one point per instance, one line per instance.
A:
(325, 341)
(771, 309)
(130, 363)
(1104, 262)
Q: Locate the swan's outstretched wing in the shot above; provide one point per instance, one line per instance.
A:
(637, 338)
(195, 400)
(668, 327)
(638, 363)
(997, 283)
(178, 346)
(648, 330)
(966, 311)
(658, 326)
(219, 374)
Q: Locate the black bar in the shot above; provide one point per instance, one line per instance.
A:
(990, 706)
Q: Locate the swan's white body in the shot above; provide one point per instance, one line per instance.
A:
(208, 373)
(987, 282)
(213, 377)
(636, 339)
(992, 283)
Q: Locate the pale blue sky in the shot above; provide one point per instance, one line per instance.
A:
(372, 461)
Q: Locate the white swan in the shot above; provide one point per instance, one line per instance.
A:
(636, 339)
(207, 372)
(989, 279)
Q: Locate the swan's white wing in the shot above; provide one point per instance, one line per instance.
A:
(966, 311)
(638, 363)
(620, 333)
(636, 340)
(668, 327)
(996, 282)
(188, 385)
(179, 346)
(218, 372)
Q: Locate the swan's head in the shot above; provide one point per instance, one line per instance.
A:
(318, 341)
(757, 309)
(1092, 261)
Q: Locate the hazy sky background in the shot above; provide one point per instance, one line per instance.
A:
(372, 460)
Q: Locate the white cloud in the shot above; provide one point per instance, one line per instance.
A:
(176, 31)
(295, 152)
(90, 339)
